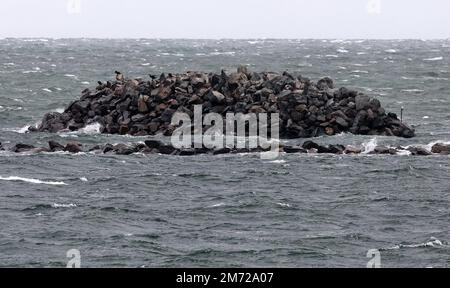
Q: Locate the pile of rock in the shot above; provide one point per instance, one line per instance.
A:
(307, 109)
(158, 147)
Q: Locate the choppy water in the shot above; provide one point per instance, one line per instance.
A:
(232, 210)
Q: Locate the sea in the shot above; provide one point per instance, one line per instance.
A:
(236, 210)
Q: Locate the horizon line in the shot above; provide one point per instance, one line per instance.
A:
(222, 38)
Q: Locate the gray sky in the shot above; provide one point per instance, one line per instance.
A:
(226, 19)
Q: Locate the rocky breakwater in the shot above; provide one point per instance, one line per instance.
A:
(158, 147)
(306, 108)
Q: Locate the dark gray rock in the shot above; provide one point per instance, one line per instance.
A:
(362, 102)
(310, 145)
(216, 97)
(419, 151)
(20, 148)
(123, 149)
(441, 148)
(73, 147)
(293, 149)
(55, 146)
(153, 143)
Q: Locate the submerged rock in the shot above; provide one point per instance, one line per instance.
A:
(306, 109)
(158, 147)
(20, 148)
(418, 151)
(55, 146)
(352, 150)
(73, 147)
(294, 149)
(440, 148)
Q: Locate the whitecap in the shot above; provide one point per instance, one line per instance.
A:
(21, 130)
(390, 51)
(426, 117)
(433, 242)
(70, 75)
(71, 205)
(231, 53)
(434, 59)
(331, 56)
(31, 180)
(93, 128)
(284, 205)
(145, 64)
(47, 90)
(413, 90)
(369, 146)
(84, 179)
(404, 153)
(342, 50)
(217, 205)
(85, 83)
(278, 161)
(59, 110)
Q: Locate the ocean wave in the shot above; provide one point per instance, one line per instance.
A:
(434, 59)
(369, 146)
(285, 205)
(20, 130)
(71, 205)
(230, 53)
(31, 180)
(278, 161)
(433, 242)
(413, 90)
(93, 128)
(217, 205)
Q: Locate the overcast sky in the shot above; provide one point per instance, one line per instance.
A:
(226, 19)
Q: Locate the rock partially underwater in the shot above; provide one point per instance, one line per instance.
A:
(158, 147)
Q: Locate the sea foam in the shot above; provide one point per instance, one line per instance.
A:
(31, 180)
